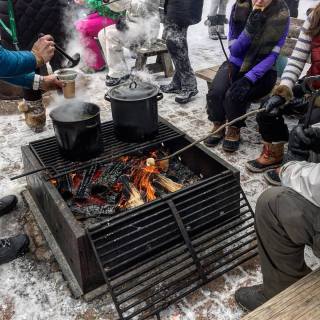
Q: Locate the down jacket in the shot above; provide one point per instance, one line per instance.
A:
(17, 67)
(34, 17)
(183, 12)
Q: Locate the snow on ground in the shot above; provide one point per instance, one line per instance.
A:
(29, 290)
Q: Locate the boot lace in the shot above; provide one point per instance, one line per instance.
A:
(266, 152)
(5, 243)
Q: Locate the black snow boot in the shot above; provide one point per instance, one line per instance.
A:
(11, 248)
(185, 96)
(250, 298)
(7, 204)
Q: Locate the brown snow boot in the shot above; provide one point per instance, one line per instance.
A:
(35, 114)
(271, 157)
(231, 141)
(214, 139)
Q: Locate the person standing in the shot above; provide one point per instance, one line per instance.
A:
(89, 27)
(256, 36)
(179, 15)
(140, 25)
(216, 19)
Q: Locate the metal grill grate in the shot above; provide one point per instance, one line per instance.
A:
(156, 254)
(47, 151)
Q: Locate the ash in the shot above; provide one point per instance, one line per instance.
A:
(32, 287)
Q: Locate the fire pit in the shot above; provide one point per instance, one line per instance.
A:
(151, 234)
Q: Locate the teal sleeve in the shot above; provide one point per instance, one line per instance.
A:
(15, 63)
(25, 81)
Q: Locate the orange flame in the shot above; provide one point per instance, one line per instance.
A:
(142, 180)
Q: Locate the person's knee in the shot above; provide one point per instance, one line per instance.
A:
(108, 34)
(266, 205)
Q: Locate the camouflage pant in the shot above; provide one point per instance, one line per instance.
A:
(176, 39)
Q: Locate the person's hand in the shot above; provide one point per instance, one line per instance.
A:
(51, 82)
(240, 89)
(299, 145)
(255, 21)
(273, 103)
(43, 49)
(121, 24)
(312, 137)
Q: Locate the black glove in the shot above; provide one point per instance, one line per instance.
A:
(273, 103)
(255, 21)
(240, 89)
(121, 24)
(299, 145)
(312, 136)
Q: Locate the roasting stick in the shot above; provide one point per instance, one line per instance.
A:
(152, 161)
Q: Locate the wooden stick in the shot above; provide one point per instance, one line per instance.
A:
(228, 124)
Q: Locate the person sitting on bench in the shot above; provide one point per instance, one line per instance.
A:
(255, 38)
(140, 25)
(272, 127)
(287, 218)
(178, 16)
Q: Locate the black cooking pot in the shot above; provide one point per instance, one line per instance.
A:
(134, 109)
(77, 128)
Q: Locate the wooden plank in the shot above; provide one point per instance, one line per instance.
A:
(299, 301)
(207, 74)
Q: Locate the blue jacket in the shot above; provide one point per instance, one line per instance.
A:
(17, 67)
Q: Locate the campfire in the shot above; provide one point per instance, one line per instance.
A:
(125, 183)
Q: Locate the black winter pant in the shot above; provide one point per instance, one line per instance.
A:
(220, 105)
(285, 222)
(176, 39)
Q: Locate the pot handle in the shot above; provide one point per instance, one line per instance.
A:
(107, 97)
(159, 96)
(92, 126)
(133, 84)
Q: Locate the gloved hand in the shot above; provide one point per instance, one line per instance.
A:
(255, 21)
(273, 103)
(299, 145)
(311, 136)
(240, 89)
(121, 25)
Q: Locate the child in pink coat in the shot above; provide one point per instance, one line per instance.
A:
(89, 28)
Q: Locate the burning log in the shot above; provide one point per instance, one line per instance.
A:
(167, 183)
(84, 189)
(109, 176)
(65, 186)
(131, 193)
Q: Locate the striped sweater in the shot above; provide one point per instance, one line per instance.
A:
(298, 58)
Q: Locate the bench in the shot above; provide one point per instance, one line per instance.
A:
(208, 74)
(299, 301)
(163, 60)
